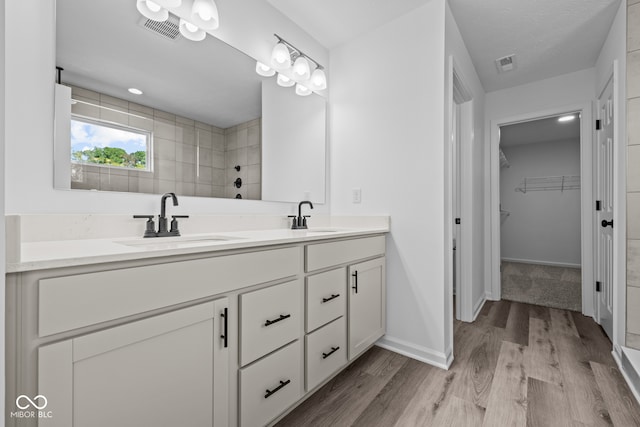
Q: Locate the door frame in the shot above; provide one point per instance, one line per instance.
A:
(587, 213)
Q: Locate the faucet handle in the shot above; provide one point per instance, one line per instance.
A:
(150, 231)
(294, 223)
(174, 224)
(304, 220)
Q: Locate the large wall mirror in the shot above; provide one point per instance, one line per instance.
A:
(204, 125)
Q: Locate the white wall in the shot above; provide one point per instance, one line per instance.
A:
(544, 226)
(30, 73)
(387, 138)
(473, 157)
(614, 49)
(3, 257)
(565, 90)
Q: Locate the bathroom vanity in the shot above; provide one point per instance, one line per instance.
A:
(220, 329)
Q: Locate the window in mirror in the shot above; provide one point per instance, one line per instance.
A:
(107, 144)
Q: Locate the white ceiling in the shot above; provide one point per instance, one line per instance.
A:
(542, 130)
(102, 47)
(549, 37)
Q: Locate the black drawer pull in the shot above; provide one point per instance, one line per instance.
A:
(225, 333)
(282, 317)
(333, 296)
(355, 280)
(333, 350)
(270, 392)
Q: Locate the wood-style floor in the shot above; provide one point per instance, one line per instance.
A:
(516, 365)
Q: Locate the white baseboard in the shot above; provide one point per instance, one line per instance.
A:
(423, 354)
(629, 368)
(478, 307)
(550, 263)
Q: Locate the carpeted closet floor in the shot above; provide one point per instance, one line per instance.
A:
(556, 287)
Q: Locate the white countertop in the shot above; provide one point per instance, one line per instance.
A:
(39, 255)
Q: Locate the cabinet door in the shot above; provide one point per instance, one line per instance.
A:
(167, 370)
(367, 311)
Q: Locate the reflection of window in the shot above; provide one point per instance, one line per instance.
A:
(101, 143)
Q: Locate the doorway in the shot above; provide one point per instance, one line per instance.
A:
(540, 239)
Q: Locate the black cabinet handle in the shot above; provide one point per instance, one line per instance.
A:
(333, 350)
(333, 296)
(225, 334)
(270, 392)
(605, 223)
(282, 317)
(355, 284)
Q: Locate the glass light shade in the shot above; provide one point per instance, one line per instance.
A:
(172, 3)
(264, 70)
(318, 80)
(152, 10)
(302, 90)
(285, 81)
(191, 32)
(301, 69)
(204, 13)
(280, 57)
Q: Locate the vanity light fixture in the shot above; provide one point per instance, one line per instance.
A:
(264, 70)
(135, 91)
(191, 32)
(282, 55)
(285, 81)
(152, 10)
(566, 118)
(204, 14)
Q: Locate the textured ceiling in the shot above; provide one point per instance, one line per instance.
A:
(542, 130)
(549, 37)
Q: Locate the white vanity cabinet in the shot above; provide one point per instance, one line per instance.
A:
(164, 371)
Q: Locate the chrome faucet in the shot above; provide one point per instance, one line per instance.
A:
(162, 219)
(300, 222)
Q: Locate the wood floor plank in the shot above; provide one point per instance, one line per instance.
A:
(539, 312)
(622, 405)
(595, 340)
(459, 412)
(541, 355)
(507, 404)
(392, 400)
(517, 328)
(476, 366)
(486, 308)
(342, 400)
(562, 322)
(499, 313)
(430, 399)
(546, 405)
(585, 400)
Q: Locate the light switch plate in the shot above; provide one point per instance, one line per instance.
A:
(356, 195)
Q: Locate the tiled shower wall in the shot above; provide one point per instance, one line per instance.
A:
(190, 158)
(633, 174)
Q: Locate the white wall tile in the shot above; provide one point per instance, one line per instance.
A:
(633, 121)
(633, 74)
(633, 171)
(633, 310)
(633, 215)
(185, 172)
(163, 115)
(164, 149)
(253, 174)
(633, 27)
(242, 138)
(633, 263)
(253, 155)
(185, 153)
(164, 129)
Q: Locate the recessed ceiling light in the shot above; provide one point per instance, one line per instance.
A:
(135, 91)
(566, 118)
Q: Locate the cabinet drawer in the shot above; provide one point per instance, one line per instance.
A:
(323, 255)
(326, 297)
(269, 319)
(71, 302)
(270, 386)
(326, 352)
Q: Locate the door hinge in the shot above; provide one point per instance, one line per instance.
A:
(598, 286)
(598, 124)
(598, 205)
(458, 221)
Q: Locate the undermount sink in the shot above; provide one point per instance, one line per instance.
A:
(175, 242)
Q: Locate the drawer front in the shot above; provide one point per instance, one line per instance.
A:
(326, 297)
(270, 386)
(269, 319)
(71, 302)
(323, 255)
(326, 352)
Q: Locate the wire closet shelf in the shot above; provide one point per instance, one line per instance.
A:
(549, 183)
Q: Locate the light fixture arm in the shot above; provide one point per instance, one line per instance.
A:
(296, 53)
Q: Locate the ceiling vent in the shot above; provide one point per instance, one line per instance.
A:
(506, 63)
(168, 29)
